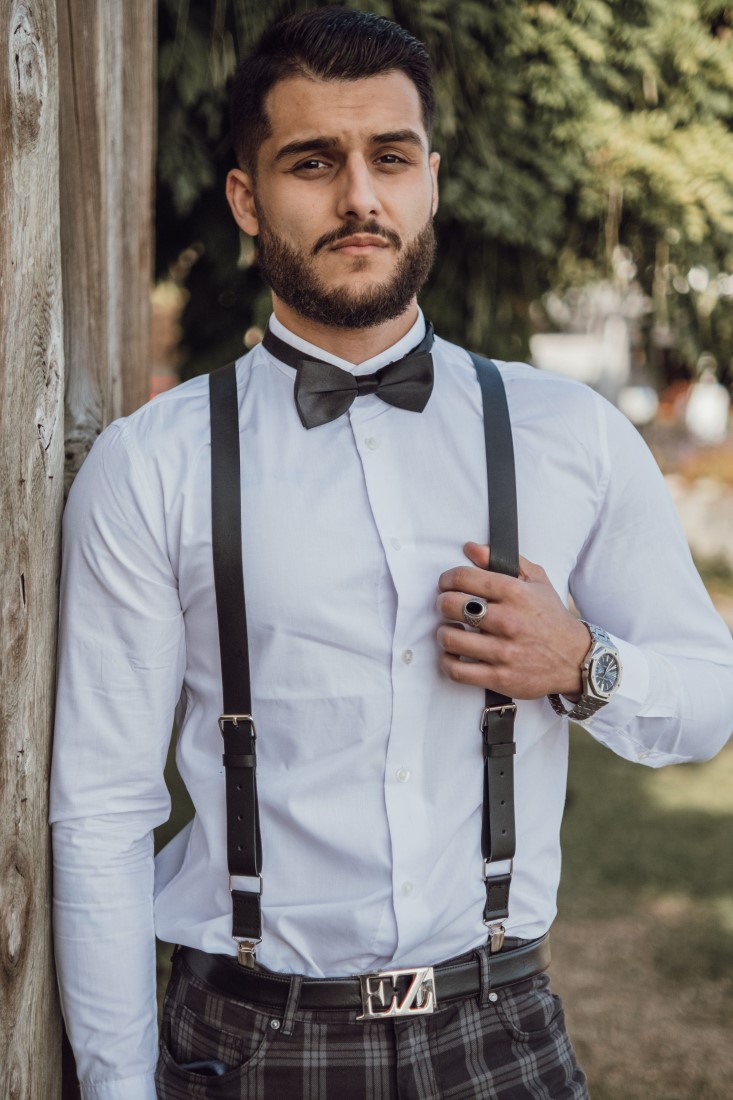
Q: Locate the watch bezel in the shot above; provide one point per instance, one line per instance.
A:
(593, 684)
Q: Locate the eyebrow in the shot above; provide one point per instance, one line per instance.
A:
(308, 145)
(318, 144)
(398, 137)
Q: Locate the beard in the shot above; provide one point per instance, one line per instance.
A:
(291, 274)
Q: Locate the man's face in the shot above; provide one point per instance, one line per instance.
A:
(344, 198)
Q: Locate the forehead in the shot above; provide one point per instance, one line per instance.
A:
(300, 107)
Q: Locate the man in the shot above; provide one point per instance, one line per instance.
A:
(366, 695)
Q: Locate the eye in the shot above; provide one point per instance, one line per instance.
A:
(314, 164)
(392, 158)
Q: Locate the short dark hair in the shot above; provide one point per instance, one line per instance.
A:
(328, 44)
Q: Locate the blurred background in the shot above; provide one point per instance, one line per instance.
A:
(585, 226)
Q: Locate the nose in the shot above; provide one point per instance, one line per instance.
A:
(358, 199)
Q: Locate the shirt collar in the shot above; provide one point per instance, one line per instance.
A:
(396, 351)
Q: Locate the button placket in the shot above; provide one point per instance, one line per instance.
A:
(392, 510)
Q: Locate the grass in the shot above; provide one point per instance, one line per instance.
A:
(644, 938)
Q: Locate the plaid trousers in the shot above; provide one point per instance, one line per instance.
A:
(505, 1044)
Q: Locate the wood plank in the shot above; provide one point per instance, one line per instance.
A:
(107, 135)
(139, 62)
(106, 63)
(31, 489)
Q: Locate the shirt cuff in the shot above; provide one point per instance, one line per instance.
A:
(129, 1088)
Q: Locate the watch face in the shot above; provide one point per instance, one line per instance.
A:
(604, 674)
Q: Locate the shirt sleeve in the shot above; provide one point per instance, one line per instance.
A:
(635, 578)
(121, 662)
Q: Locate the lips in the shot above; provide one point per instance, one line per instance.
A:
(360, 242)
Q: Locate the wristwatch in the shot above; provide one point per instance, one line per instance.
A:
(601, 672)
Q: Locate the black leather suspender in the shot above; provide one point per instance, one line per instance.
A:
(498, 839)
(244, 847)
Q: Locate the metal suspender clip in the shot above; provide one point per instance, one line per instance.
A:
(246, 953)
(245, 947)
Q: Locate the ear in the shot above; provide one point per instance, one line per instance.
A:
(434, 162)
(241, 198)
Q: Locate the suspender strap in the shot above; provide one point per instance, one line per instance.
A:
(498, 840)
(244, 846)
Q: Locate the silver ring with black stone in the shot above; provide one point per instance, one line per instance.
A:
(474, 611)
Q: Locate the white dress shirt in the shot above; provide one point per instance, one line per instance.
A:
(369, 759)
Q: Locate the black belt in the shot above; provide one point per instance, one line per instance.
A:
(387, 993)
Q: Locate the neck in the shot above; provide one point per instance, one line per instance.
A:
(353, 345)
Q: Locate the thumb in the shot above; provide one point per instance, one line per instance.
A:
(478, 553)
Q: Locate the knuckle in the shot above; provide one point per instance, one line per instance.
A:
(509, 623)
(456, 577)
(455, 671)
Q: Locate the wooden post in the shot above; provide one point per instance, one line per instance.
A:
(139, 113)
(75, 267)
(107, 135)
(31, 490)
(106, 70)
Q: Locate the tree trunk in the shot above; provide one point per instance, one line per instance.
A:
(31, 489)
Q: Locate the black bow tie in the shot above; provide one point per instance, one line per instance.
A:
(323, 391)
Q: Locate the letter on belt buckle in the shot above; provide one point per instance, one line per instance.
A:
(380, 997)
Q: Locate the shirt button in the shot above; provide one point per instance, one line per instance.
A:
(407, 657)
(397, 545)
(371, 442)
(402, 775)
(407, 888)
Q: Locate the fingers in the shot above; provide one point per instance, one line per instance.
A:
(463, 577)
(479, 674)
(476, 582)
(466, 643)
(499, 619)
(526, 645)
(478, 554)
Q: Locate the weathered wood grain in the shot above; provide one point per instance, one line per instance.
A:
(107, 135)
(106, 55)
(138, 167)
(31, 490)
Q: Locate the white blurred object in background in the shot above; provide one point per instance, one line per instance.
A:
(600, 359)
(639, 403)
(708, 406)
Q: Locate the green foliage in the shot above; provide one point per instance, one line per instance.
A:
(566, 129)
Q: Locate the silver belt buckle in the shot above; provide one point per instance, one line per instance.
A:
(380, 999)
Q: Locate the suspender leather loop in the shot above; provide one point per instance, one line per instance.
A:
(498, 836)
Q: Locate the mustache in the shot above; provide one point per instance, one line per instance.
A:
(373, 228)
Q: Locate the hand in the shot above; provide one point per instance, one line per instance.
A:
(529, 644)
